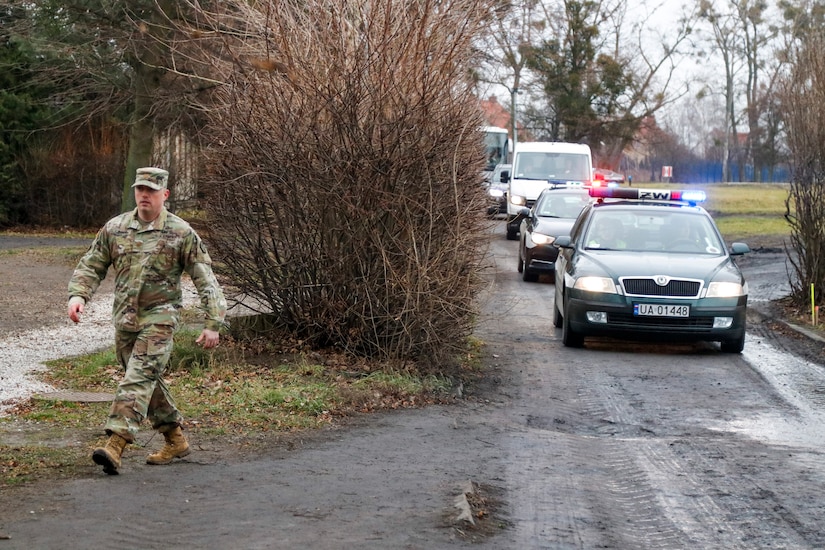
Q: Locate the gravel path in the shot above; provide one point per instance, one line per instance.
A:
(23, 354)
(34, 327)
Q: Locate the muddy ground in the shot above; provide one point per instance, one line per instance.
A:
(33, 293)
(390, 480)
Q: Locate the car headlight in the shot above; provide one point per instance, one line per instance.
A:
(540, 239)
(725, 290)
(497, 193)
(518, 200)
(595, 284)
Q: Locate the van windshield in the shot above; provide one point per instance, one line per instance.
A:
(552, 166)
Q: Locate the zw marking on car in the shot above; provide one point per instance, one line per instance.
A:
(656, 195)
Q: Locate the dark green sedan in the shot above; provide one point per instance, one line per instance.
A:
(649, 265)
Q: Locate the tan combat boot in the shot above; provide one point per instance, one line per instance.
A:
(176, 445)
(108, 456)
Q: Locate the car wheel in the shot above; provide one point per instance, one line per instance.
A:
(557, 321)
(569, 337)
(512, 232)
(733, 346)
(520, 262)
(528, 276)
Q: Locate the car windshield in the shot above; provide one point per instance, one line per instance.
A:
(644, 231)
(561, 205)
(552, 166)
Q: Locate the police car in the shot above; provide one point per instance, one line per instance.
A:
(648, 264)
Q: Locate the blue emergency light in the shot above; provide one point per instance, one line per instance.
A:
(691, 196)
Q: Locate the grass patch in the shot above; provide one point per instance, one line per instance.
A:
(94, 372)
(754, 213)
(67, 414)
(766, 200)
(71, 233)
(228, 391)
(20, 465)
(763, 201)
(64, 255)
(751, 213)
(747, 227)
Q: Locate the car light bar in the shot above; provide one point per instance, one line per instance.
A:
(692, 195)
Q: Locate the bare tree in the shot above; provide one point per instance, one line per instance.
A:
(757, 35)
(743, 38)
(803, 106)
(726, 42)
(514, 27)
(600, 76)
(113, 61)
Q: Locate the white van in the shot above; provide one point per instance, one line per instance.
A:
(540, 164)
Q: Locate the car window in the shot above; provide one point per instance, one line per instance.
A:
(559, 205)
(653, 231)
(559, 166)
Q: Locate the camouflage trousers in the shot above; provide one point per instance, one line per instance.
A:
(142, 392)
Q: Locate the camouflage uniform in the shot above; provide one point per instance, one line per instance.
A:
(148, 260)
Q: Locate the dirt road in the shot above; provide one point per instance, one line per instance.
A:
(616, 445)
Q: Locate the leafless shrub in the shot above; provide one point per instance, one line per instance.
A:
(343, 176)
(803, 98)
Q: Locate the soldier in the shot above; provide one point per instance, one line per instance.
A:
(149, 249)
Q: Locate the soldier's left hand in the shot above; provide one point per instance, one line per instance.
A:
(208, 339)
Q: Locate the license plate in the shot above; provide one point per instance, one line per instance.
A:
(661, 310)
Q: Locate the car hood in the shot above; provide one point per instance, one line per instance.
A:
(634, 264)
(553, 226)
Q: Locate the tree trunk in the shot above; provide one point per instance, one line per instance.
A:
(152, 56)
(141, 136)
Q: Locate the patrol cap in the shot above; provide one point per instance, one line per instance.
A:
(152, 177)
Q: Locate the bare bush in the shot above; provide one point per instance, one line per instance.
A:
(803, 98)
(343, 178)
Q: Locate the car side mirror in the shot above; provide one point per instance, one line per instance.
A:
(563, 242)
(525, 212)
(505, 176)
(737, 249)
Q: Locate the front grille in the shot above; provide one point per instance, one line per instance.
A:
(675, 288)
(662, 324)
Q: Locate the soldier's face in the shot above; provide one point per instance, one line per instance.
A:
(149, 202)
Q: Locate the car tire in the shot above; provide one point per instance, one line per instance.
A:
(512, 232)
(529, 276)
(520, 262)
(733, 346)
(569, 337)
(557, 319)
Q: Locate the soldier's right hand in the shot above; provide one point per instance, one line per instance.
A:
(75, 311)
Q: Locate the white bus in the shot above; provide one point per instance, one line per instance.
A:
(497, 147)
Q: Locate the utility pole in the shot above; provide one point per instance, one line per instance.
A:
(513, 126)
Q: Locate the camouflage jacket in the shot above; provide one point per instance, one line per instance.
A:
(148, 265)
